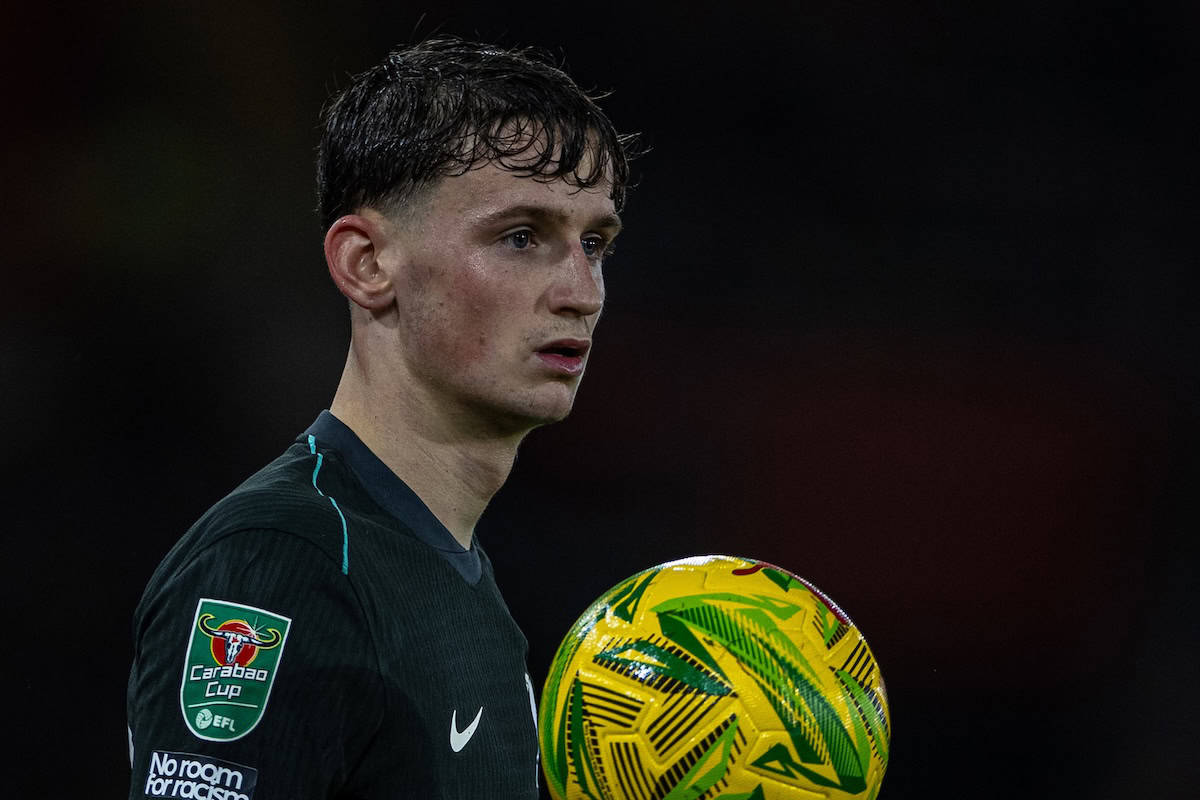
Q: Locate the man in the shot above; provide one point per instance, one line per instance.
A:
(332, 628)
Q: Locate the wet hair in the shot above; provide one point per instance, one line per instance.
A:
(445, 106)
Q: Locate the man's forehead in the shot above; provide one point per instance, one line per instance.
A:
(491, 188)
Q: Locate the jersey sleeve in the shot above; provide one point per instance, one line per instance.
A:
(254, 674)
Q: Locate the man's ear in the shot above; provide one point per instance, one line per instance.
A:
(352, 247)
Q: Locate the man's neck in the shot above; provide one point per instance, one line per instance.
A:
(454, 473)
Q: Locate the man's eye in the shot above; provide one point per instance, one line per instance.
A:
(593, 246)
(520, 239)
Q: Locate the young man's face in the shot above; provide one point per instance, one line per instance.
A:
(501, 294)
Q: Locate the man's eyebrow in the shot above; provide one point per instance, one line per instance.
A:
(542, 213)
(612, 221)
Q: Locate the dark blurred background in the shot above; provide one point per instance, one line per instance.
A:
(901, 306)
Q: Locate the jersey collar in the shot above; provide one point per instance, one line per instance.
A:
(394, 495)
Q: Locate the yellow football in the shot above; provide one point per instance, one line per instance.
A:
(714, 678)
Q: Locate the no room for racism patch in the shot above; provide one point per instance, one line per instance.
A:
(195, 777)
(232, 658)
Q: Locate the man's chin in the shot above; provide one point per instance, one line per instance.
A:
(553, 402)
(548, 413)
(542, 408)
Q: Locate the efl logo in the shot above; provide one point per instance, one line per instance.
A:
(232, 658)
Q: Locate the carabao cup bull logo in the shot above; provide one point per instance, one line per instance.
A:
(235, 642)
(229, 668)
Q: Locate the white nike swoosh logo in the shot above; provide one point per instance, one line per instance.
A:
(459, 739)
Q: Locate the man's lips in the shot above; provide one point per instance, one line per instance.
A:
(565, 356)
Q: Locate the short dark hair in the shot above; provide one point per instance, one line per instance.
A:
(445, 105)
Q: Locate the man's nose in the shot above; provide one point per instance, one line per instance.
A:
(579, 285)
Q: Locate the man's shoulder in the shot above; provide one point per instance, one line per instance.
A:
(281, 498)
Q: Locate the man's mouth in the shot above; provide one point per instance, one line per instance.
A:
(565, 356)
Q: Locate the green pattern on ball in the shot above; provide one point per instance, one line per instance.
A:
(751, 634)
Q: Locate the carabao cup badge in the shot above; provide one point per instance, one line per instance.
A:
(233, 655)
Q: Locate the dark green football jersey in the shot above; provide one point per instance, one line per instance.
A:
(319, 634)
